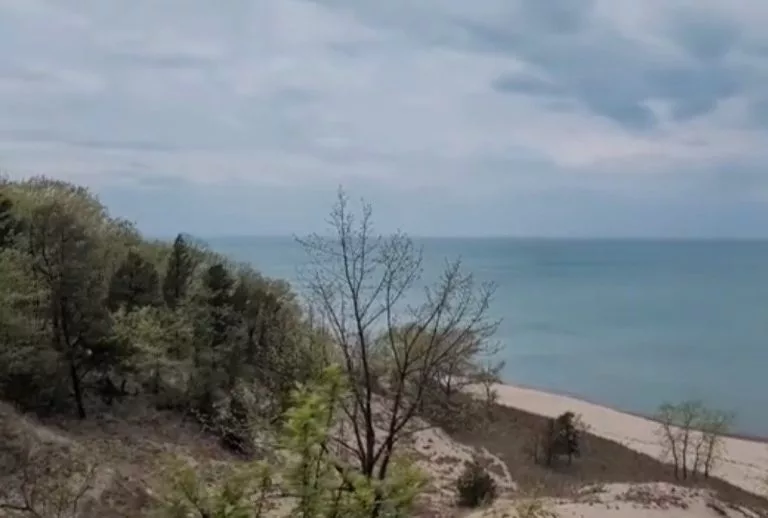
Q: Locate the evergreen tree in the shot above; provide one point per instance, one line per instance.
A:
(216, 351)
(179, 272)
(219, 298)
(568, 435)
(561, 437)
(134, 285)
(9, 224)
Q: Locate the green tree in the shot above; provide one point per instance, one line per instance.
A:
(134, 285)
(178, 275)
(65, 260)
(162, 341)
(320, 483)
(263, 322)
(218, 284)
(27, 362)
(10, 225)
(216, 363)
(560, 436)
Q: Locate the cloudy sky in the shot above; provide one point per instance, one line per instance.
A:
(453, 117)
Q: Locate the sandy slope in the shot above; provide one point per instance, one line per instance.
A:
(628, 501)
(745, 463)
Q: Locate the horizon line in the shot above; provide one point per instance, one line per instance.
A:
(490, 237)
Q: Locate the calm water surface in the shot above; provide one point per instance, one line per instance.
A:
(629, 324)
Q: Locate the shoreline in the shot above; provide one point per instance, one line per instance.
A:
(744, 463)
(763, 439)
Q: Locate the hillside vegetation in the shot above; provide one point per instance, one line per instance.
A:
(98, 321)
(149, 378)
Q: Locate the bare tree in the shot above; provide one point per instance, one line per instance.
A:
(714, 427)
(360, 283)
(692, 435)
(689, 413)
(670, 435)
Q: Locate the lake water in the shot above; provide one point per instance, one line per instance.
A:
(629, 324)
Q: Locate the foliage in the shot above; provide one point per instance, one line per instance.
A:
(322, 483)
(317, 482)
(10, 225)
(135, 284)
(179, 271)
(92, 313)
(64, 255)
(560, 436)
(242, 493)
(475, 486)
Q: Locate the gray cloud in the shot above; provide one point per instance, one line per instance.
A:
(496, 106)
(706, 36)
(22, 75)
(172, 61)
(615, 77)
(527, 85)
(556, 16)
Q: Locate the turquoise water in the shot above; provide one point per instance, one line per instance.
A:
(629, 324)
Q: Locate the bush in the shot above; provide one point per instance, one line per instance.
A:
(475, 486)
(318, 482)
(41, 478)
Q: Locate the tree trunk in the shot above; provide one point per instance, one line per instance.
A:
(251, 345)
(709, 458)
(76, 389)
(675, 457)
(64, 338)
(156, 379)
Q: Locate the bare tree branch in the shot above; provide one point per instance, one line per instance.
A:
(360, 285)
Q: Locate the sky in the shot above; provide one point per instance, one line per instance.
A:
(602, 118)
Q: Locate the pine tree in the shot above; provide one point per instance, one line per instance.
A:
(568, 435)
(218, 284)
(179, 272)
(216, 350)
(134, 285)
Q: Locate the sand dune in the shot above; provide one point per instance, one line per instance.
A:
(745, 462)
(627, 501)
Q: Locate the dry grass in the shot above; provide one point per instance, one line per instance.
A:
(508, 436)
(129, 447)
(131, 444)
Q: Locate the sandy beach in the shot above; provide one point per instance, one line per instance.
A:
(745, 462)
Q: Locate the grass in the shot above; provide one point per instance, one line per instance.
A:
(509, 433)
(130, 447)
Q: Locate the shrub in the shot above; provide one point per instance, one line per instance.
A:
(475, 486)
(41, 478)
(317, 482)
